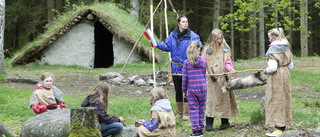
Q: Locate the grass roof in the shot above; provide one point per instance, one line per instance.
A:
(116, 20)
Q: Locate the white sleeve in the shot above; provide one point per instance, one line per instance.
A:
(290, 66)
(272, 66)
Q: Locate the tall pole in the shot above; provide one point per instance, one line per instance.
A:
(153, 59)
(166, 22)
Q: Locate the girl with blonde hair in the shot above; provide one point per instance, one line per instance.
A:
(218, 60)
(278, 90)
(162, 121)
(109, 125)
(194, 87)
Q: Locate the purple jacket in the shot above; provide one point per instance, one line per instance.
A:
(177, 49)
(194, 77)
(102, 114)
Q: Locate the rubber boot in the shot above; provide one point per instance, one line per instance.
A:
(179, 110)
(209, 123)
(185, 111)
(224, 123)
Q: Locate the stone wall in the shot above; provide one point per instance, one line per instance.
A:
(76, 47)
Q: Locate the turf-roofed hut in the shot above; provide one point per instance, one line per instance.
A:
(95, 36)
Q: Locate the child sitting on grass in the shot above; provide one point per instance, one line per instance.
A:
(162, 120)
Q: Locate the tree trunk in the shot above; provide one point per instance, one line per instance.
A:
(134, 4)
(232, 31)
(304, 28)
(50, 6)
(291, 17)
(254, 37)
(2, 22)
(4, 131)
(84, 122)
(250, 43)
(59, 5)
(216, 13)
(242, 45)
(261, 31)
(184, 6)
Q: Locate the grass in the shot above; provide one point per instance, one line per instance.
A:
(305, 90)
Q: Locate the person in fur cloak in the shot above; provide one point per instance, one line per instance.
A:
(109, 125)
(46, 97)
(162, 120)
(278, 90)
(217, 54)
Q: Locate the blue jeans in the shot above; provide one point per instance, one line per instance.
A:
(110, 129)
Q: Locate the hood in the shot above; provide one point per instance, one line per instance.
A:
(277, 47)
(198, 63)
(164, 104)
(85, 102)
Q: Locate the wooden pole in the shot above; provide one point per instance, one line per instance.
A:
(228, 73)
(124, 66)
(160, 33)
(174, 10)
(166, 21)
(153, 60)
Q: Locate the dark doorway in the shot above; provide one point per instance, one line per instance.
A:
(103, 57)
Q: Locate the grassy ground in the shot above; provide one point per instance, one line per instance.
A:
(305, 91)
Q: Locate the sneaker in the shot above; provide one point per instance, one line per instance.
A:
(197, 134)
(275, 133)
(209, 128)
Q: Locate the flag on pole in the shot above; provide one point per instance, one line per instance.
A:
(149, 36)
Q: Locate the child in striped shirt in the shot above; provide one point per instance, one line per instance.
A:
(194, 87)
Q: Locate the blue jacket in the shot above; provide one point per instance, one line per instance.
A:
(177, 49)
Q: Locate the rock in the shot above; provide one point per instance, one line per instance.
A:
(138, 91)
(54, 123)
(296, 133)
(109, 75)
(160, 74)
(128, 131)
(150, 82)
(133, 78)
(147, 89)
(140, 82)
(116, 80)
(318, 129)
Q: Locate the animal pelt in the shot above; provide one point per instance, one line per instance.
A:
(246, 82)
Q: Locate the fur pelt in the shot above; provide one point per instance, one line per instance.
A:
(246, 82)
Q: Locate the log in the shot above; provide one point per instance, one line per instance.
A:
(4, 131)
(84, 122)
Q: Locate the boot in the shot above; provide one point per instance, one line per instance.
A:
(224, 123)
(209, 123)
(185, 111)
(179, 110)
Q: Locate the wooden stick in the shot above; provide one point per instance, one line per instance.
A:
(174, 10)
(124, 66)
(153, 62)
(228, 73)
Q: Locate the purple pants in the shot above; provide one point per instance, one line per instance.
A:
(197, 106)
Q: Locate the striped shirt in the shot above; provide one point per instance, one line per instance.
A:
(194, 77)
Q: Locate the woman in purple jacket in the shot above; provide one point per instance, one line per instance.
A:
(177, 44)
(98, 98)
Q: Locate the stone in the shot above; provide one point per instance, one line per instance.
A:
(318, 129)
(140, 82)
(128, 131)
(54, 123)
(109, 75)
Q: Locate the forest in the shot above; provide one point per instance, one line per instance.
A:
(245, 22)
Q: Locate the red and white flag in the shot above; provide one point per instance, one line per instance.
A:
(149, 36)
